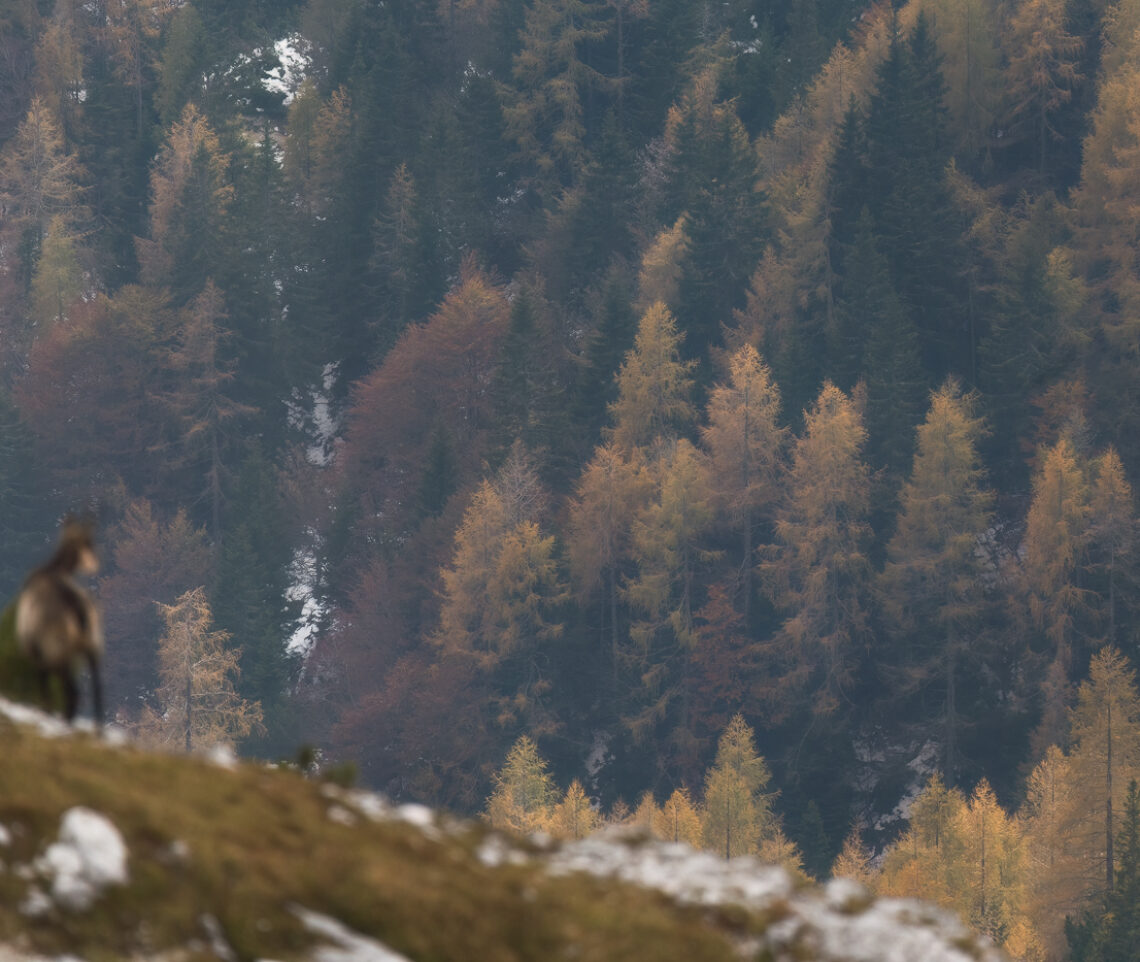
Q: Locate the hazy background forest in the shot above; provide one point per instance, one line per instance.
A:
(597, 371)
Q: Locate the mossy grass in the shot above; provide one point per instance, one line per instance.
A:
(18, 679)
(247, 845)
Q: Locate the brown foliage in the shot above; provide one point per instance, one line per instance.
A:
(90, 394)
(437, 374)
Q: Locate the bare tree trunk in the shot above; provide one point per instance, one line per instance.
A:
(950, 722)
(1108, 873)
(613, 619)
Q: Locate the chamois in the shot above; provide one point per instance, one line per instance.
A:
(57, 621)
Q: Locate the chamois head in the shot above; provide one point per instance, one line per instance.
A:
(76, 551)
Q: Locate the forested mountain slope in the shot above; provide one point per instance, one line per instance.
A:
(593, 371)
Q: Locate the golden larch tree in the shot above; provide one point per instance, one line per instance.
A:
(190, 194)
(524, 792)
(59, 65)
(1055, 890)
(501, 591)
(40, 179)
(666, 548)
(926, 861)
(645, 814)
(737, 813)
(1105, 733)
(1106, 245)
(745, 444)
(318, 137)
(575, 816)
(197, 703)
(609, 494)
(1112, 535)
(659, 279)
(132, 30)
(58, 279)
(544, 108)
(991, 885)
(932, 573)
(818, 572)
(854, 859)
(1056, 534)
(654, 385)
(967, 34)
(678, 819)
(1041, 72)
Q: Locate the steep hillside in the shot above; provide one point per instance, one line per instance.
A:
(110, 852)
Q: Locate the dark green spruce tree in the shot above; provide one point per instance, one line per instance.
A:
(909, 196)
(615, 327)
(249, 598)
(846, 185)
(528, 389)
(27, 521)
(879, 345)
(714, 183)
(440, 475)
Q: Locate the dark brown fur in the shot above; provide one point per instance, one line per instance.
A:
(57, 621)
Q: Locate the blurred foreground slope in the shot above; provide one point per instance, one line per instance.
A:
(109, 852)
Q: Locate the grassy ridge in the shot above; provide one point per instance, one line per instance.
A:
(260, 841)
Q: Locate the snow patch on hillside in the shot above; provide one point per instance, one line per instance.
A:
(305, 588)
(310, 411)
(687, 875)
(346, 945)
(44, 725)
(599, 756)
(89, 856)
(294, 54)
(836, 922)
(924, 764)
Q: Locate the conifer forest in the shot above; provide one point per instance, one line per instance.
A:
(609, 410)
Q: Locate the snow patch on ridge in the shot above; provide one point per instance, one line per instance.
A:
(89, 856)
(837, 922)
(687, 875)
(347, 945)
(48, 726)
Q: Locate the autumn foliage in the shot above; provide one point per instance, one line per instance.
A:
(600, 372)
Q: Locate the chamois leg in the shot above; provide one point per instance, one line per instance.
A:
(96, 688)
(70, 695)
(44, 678)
